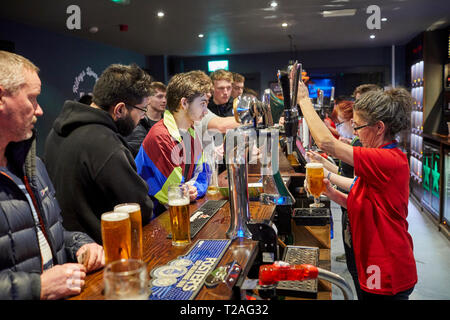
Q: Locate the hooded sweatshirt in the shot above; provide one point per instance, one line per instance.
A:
(92, 168)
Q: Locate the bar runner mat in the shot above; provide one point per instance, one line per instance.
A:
(182, 278)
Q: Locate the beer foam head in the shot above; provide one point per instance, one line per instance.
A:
(314, 165)
(115, 216)
(128, 207)
(178, 202)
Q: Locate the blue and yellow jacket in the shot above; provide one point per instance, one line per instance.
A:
(168, 156)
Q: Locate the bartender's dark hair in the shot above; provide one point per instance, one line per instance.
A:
(393, 107)
(121, 83)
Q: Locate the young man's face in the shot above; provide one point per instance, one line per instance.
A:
(222, 91)
(158, 101)
(237, 90)
(19, 110)
(198, 108)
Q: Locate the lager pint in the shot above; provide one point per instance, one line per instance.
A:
(116, 235)
(178, 197)
(212, 190)
(314, 180)
(134, 210)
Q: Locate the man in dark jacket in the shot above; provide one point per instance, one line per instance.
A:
(86, 154)
(156, 107)
(34, 247)
(221, 102)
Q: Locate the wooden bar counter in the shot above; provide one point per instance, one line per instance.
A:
(158, 249)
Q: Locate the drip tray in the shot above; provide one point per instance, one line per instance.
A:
(312, 216)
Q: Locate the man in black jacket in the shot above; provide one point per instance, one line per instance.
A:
(86, 154)
(156, 107)
(221, 102)
(34, 247)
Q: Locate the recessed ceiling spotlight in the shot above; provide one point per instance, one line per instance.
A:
(338, 13)
(284, 25)
(201, 35)
(228, 49)
(372, 36)
(274, 4)
(383, 19)
(160, 14)
(333, 5)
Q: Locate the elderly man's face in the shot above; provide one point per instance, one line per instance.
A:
(19, 110)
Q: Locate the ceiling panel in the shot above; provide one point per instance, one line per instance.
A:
(243, 26)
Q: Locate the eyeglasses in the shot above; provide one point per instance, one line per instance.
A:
(145, 109)
(359, 127)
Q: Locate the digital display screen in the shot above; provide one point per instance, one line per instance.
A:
(214, 65)
(324, 84)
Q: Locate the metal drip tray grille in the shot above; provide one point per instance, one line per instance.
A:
(303, 289)
(312, 216)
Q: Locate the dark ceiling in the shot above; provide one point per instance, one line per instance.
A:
(243, 26)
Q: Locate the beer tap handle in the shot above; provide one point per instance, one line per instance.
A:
(332, 99)
(283, 78)
(269, 275)
(296, 78)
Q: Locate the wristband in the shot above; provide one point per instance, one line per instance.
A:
(328, 175)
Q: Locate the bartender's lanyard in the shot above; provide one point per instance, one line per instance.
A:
(391, 145)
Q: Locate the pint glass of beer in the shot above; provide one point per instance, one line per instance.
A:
(116, 235)
(134, 210)
(178, 200)
(314, 180)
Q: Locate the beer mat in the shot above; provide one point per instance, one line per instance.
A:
(168, 272)
(199, 261)
(202, 215)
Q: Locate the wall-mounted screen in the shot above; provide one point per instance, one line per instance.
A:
(320, 83)
(214, 65)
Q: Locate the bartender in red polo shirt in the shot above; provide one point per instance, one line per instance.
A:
(378, 199)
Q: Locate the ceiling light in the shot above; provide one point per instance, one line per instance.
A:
(160, 14)
(201, 35)
(436, 25)
(284, 25)
(338, 13)
(124, 2)
(228, 49)
(372, 36)
(384, 19)
(274, 4)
